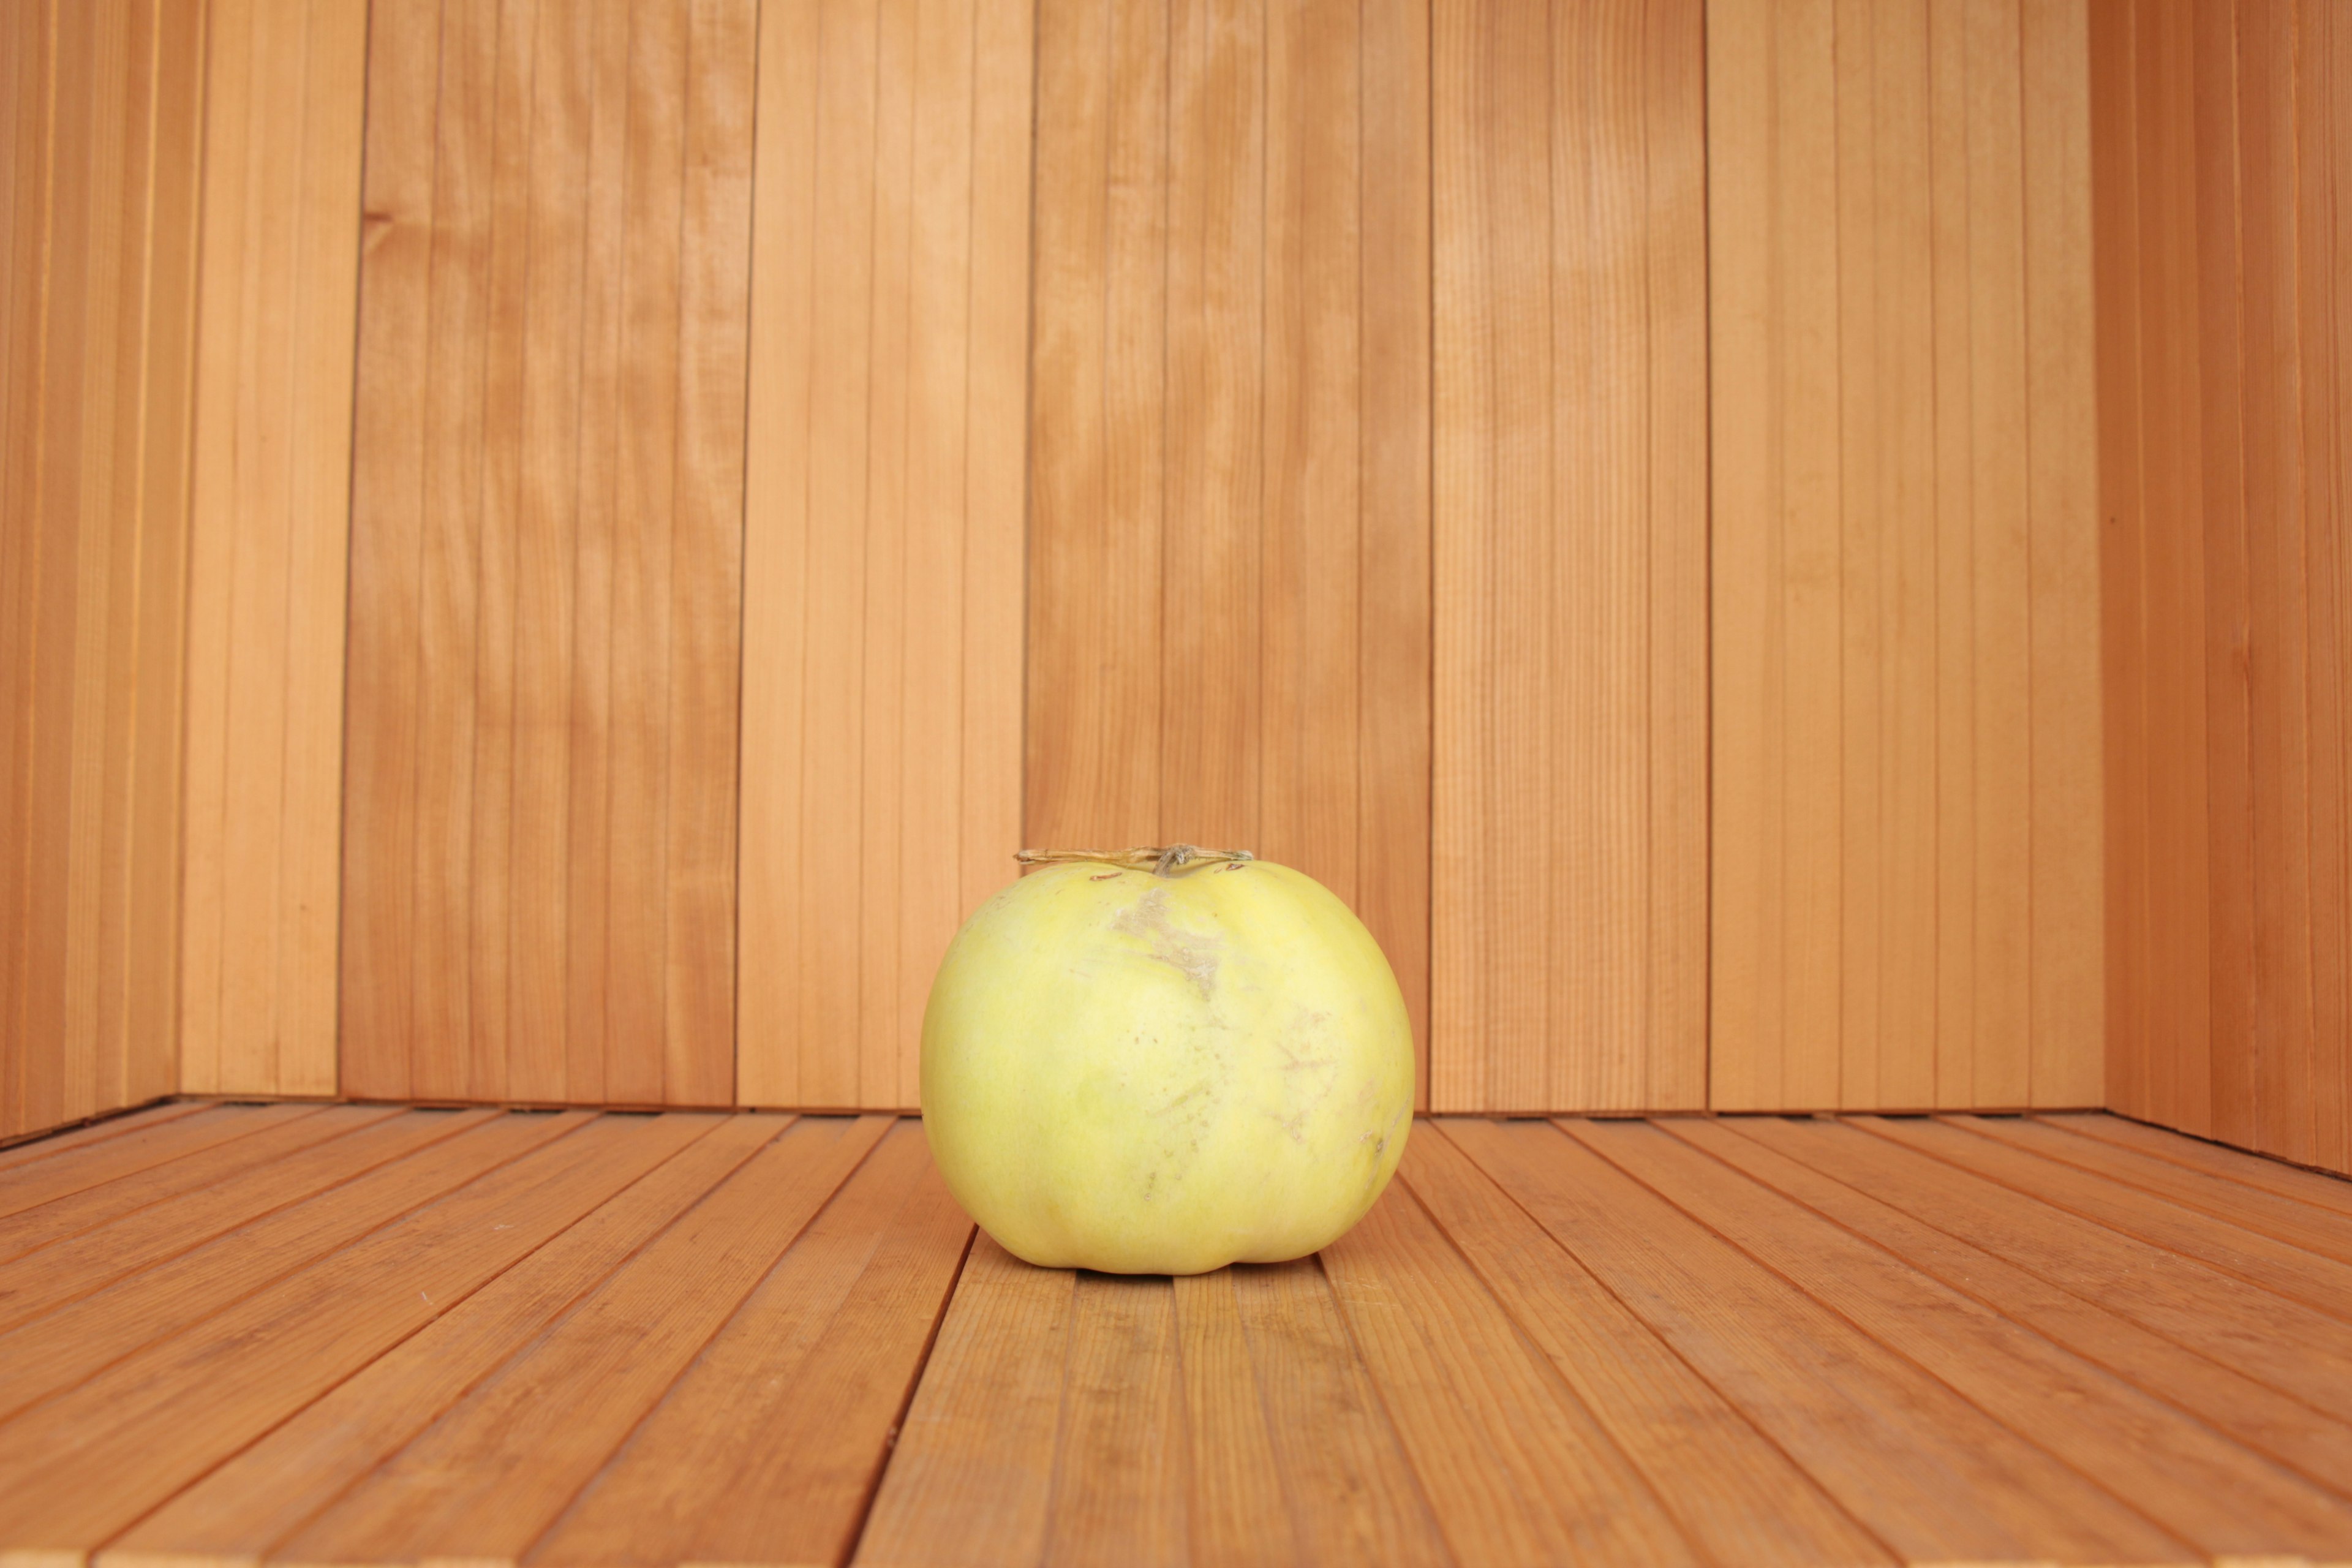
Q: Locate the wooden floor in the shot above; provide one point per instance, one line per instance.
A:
(361, 1334)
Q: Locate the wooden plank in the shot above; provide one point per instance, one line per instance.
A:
(768, 1448)
(2221, 1103)
(2293, 1348)
(2324, 519)
(437, 878)
(706, 612)
(930, 897)
(1307, 663)
(267, 1133)
(1514, 1465)
(1493, 430)
(1804, 392)
(493, 1472)
(967, 1482)
(645, 471)
(2307, 1187)
(1395, 641)
(1923, 1470)
(1217, 735)
(996, 455)
(2298, 1223)
(1236, 1512)
(1097, 464)
(880, 651)
(43, 1146)
(1352, 1488)
(67, 1346)
(2001, 588)
(255, 1501)
(1744, 862)
(590, 1053)
(2320, 1281)
(773, 925)
(1815, 1165)
(1902, 427)
(79, 1169)
(1674, 101)
(86, 1264)
(832, 830)
(324, 292)
(2174, 1470)
(1737, 1496)
(2115, 233)
(1118, 1492)
(543, 427)
(1952, 503)
(142, 1430)
(388, 815)
(2067, 958)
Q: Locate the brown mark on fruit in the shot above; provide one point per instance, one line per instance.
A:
(1195, 957)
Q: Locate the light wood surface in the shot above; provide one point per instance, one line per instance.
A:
(1228, 611)
(101, 131)
(884, 528)
(1907, 862)
(537, 890)
(1570, 750)
(641, 1341)
(2223, 171)
(269, 531)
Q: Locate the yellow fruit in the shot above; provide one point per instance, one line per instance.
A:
(1162, 1074)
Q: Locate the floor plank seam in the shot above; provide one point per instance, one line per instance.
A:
(906, 1400)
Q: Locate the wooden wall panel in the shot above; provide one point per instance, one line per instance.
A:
(1907, 809)
(1228, 569)
(2224, 167)
(538, 831)
(884, 528)
(100, 129)
(268, 538)
(1571, 572)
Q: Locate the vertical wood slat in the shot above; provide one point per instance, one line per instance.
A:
(1568, 783)
(1907, 852)
(100, 112)
(884, 507)
(539, 887)
(270, 528)
(2223, 468)
(1228, 589)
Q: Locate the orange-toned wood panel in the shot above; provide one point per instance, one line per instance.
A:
(101, 106)
(884, 527)
(268, 536)
(1906, 802)
(1570, 567)
(1228, 569)
(2223, 166)
(538, 828)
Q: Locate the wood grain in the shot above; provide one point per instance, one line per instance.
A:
(1818, 1166)
(538, 857)
(491, 1474)
(2167, 1466)
(1725, 1314)
(269, 529)
(257, 1499)
(101, 128)
(884, 528)
(2220, 430)
(1909, 897)
(1567, 910)
(766, 1450)
(1228, 610)
(1734, 1492)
